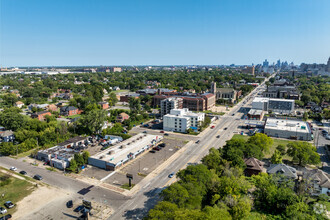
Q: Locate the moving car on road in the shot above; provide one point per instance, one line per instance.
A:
(218, 136)
(197, 142)
(225, 129)
(171, 175)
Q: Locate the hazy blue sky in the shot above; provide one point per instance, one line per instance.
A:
(161, 32)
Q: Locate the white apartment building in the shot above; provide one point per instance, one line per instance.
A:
(180, 120)
(168, 104)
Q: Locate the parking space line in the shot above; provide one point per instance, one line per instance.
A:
(106, 177)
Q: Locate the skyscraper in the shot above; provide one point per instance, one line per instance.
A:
(328, 65)
(265, 63)
(278, 63)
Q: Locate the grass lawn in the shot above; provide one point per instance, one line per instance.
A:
(122, 90)
(125, 186)
(214, 113)
(14, 191)
(74, 116)
(272, 148)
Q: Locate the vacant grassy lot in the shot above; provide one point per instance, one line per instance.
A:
(272, 148)
(13, 189)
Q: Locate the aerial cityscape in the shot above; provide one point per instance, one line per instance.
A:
(164, 109)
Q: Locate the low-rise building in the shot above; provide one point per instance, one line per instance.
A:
(319, 181)
(104, 105)
(180, 120)
(255, 114)
(41, 116)
(121, 153)
(122, 117)
(253, 166)
(7, 136)
(19, 104)
(60, 155)
(283, 169)
(292, 129)
(69, 111)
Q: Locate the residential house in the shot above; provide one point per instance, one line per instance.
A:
(6, 136)
(253, 166)
(319, 181)
(283, 169)
(52, 108)
(104, 105)
(41, 116)
(69, 111)
(19, 104)
(122, 117)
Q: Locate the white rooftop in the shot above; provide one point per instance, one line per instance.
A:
(120, 151)
(287, 125)
(260, 99)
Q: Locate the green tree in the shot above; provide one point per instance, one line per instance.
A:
(261, 140)
(176, 194)
(276, 157)
(73, 166)
(304, 152)
(79, 159)
(282, 149)
(163, 210)
(85, 156)
(92, 121)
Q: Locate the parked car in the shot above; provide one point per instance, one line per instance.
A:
(218, 136)
(171, 175)
(9, 204)
(79, 208)
(5, 217)
(37, 177)
(197, 142)
(144, 132)
(156, 148)
(69, 204)
(152, 151)
(166, 134)
(327, 137)
(212, 126)
(225, 129)
(13, 168)
(162, 132)
(23, 172)
(3, 210)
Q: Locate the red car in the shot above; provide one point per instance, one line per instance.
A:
(213, 127)
(161, 131)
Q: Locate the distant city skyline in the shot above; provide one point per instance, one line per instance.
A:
(186, 32)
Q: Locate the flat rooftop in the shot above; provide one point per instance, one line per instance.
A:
(260, 99)
(255, 112)
(287, 125)
(120, 151)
